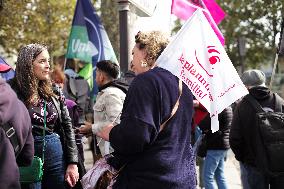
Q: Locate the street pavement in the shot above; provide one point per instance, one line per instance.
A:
(232, 170)
(88, 155)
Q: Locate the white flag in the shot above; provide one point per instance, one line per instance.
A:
(197, 57)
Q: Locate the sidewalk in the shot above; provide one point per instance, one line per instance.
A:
(232, 170)
(88, 156)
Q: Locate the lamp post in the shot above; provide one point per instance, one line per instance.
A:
(140, 8)
(242, 51)
(123, 8)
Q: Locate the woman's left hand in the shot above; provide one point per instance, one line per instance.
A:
(104, 133)
(72, 174)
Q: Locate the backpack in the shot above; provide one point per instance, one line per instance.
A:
(270, 137)
(11, 134)
(77, 89)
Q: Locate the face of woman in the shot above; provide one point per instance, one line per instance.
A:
(41, 65)
(138, 56)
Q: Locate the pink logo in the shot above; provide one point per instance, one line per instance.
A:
(213, 59)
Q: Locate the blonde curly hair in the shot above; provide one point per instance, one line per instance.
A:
(153, 43)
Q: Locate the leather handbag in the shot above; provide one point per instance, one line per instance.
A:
(34, 172)
(100, 176)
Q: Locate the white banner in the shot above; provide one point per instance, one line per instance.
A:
(197, 57)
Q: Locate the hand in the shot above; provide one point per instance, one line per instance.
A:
(86, 129)
(195, 103)
(104, 133)
(72, 175)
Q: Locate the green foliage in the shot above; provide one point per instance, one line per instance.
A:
(177, 26)
(258, 21)
(28, 21)
(49, 22)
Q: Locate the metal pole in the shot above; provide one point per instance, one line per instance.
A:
(273, 71)
(242, 64)
(242, 51)
(280, 52)
(123, 8)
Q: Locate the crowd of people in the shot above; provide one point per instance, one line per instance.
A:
(146, 129)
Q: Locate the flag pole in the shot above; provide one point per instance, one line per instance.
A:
(280, 50)
(273, 71)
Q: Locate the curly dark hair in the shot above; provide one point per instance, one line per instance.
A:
(153, 43)
(31, 88)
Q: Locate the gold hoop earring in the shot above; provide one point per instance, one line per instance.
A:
(144, 64)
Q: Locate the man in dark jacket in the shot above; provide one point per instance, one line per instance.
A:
(14, 112)
(217, 147)
(243, 135)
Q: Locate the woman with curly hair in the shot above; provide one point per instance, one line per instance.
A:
(33, 86)
(148, 154)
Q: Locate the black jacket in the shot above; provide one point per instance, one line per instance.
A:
(63, 125)
(220, 139)
(243, 132)
(64, 128)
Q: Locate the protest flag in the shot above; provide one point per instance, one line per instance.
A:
(88, 40)
(184, 9)
(87, 73)
(198, 58)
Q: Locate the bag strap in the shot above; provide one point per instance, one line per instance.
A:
(254, 103)
(163, 124)
(43, 132)
(174, 110)
(278, 103)
(11, 134)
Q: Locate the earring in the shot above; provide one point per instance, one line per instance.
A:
(144, 64)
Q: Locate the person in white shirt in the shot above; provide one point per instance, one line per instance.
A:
(109, 102)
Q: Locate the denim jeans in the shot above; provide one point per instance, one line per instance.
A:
(251, 178)
(214, 168)
(54, 167)
(244, 175)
